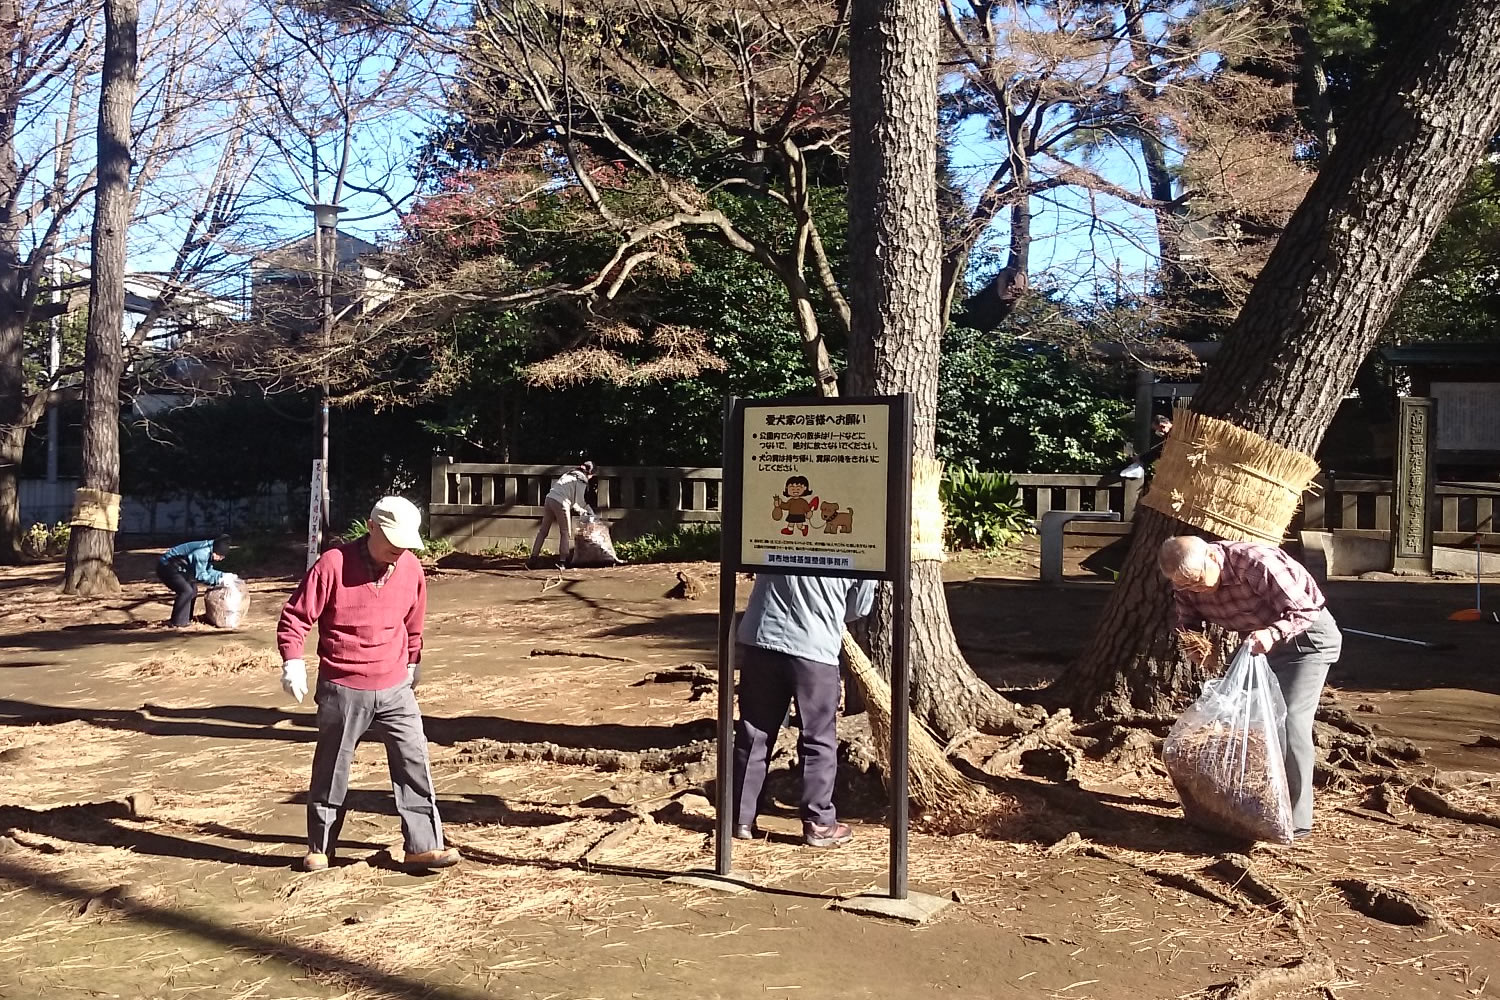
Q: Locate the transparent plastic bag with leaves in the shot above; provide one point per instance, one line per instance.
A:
(592, 543)
(1226, 754)
(225, 606)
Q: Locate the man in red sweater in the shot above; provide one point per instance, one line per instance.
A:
(368, 599)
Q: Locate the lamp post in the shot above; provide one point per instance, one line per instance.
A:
(325, 246)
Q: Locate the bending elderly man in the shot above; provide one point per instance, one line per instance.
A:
(1263, 593)
(368, 598)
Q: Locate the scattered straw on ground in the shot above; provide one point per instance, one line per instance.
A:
(229, 660)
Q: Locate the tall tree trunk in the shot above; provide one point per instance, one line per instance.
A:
(12, 311)
(1154, 157)
(90, 568)
(895, 269)
(1316, 309)
(1311, 90)
(12, 444)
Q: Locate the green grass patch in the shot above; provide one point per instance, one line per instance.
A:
(683, 543)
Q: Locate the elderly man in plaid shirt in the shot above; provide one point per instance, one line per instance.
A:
(1262, 592)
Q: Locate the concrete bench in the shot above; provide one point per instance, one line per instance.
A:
(1050, 528)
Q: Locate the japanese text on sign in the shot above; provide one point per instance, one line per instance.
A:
(815, 486)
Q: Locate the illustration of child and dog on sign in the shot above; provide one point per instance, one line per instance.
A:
(798, 506)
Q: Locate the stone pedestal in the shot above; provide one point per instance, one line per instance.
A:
(1411, 520)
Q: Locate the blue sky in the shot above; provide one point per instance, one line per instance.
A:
(1080, 243)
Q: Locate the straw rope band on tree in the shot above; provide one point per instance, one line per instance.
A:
(98, 509)
(1227, 480)
(926, 511)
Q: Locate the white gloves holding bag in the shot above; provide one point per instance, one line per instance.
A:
(294, 677)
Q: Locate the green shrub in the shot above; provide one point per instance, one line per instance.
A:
(515, 550)
(683, 543)
(981, 510)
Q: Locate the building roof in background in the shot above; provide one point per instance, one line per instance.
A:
(1443, 354)
(298, 253)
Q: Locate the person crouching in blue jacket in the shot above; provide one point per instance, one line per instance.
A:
(184, 566)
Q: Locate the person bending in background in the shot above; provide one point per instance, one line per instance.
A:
(567, 497)
(184, 566)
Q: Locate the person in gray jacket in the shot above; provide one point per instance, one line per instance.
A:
(564, 500)
(790, 638)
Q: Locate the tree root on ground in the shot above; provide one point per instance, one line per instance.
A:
(1104, 727)
(1184, 881)
(704, 681)
(1338, 718)
(1377, 816)
(1049, 733)
(671, 759)
(1392, 906)
(1301, 975)
(683, 672)
(1428, 800)
(615, 838)
(582, 655)
(1239, 872)
(634, 793)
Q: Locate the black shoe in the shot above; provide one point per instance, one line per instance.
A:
(745, 831)
(1302, 834)
(833, 835)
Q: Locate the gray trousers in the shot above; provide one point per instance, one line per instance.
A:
(558, 513)
(1301, 666)
(392, 717)
(768, 682)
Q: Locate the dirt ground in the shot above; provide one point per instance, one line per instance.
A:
(152, 806)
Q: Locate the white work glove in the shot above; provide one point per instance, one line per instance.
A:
(225, 579)
(294, 679)
(413, 674)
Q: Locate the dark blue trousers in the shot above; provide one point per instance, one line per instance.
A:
(769, 681)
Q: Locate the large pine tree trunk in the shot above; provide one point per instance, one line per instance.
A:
(12, 443)
(12, 311)
(1318, 306)
(91, 550)
(895, 274)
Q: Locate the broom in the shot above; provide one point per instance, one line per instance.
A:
(933, 784)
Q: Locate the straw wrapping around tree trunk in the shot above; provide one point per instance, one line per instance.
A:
(1227, 480)
(927, 511)
(933, 784)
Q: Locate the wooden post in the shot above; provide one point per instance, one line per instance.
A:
(1411, 534)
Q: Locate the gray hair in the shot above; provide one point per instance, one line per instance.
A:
(1183, 555)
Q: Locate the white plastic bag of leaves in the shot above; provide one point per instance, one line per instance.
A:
(1225, 754)
(592, 543)
(225, 606)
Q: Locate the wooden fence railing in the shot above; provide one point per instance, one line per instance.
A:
(480, 504)
(1366, 505)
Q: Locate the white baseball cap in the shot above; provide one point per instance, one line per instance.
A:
(399, 521)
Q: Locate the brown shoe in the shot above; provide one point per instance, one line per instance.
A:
(442, 858)
(312, 861)
(832, 835)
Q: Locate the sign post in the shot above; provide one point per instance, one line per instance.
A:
(818, 488)
(315, 513)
